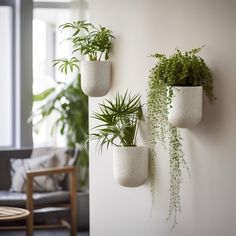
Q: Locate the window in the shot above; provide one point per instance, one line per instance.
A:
(16, 62)
(16, 73)
(49, 44)
(6, 75)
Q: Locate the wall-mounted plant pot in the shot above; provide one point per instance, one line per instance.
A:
(130, 165)
(186, 106)
(95, 78)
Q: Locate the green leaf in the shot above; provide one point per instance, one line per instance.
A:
(41, 96)
(179, 69)
(119, 119)
(89, 40)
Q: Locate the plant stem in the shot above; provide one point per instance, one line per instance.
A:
(100, 57)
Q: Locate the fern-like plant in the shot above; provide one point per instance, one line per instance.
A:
(93, 42)
(119, 121)
(180, 69)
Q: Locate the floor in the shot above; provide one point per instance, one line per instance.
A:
(43, 233)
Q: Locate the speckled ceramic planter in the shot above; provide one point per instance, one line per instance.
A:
(95, 77)
(187, 106)
(130, 165)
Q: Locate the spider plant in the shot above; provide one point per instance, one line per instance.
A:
(119, 121)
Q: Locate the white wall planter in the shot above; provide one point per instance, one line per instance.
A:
(130, 165)
(187, 106)
(95, 77)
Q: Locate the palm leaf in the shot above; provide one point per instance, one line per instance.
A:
(119, 119)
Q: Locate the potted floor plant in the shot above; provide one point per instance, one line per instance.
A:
(71, 107)
(94, 43)
(119, 122)
(175, 88)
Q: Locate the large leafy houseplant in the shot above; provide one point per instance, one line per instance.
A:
(69, 104)
(94, 44)
(119, 122)
(180, 69)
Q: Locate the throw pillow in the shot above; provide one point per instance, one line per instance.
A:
(62, 158)
(61, 154)
(19, 167)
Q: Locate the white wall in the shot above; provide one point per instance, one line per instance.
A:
(143, 27)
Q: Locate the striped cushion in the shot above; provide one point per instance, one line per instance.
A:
(19, 167)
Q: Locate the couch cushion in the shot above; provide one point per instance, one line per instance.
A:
(18, 199)
(5, 156)
(19, 167)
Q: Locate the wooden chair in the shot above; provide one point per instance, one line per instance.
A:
(72, 192)
(35, 202)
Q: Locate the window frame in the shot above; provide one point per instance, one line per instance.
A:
(39, 4)
(24, 18)
(22, 69)
(47, 6)
(21, 42)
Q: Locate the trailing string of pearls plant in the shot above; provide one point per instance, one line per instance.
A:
(180, 69)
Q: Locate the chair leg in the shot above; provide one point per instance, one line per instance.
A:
(73, 203)
(73, 222)
(30, 207)
(29, 225)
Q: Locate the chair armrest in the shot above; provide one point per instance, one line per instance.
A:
(50, 171)
(71, 171)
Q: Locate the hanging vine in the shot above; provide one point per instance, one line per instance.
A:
(180, 69)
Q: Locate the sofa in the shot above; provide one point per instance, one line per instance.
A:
(42, 203)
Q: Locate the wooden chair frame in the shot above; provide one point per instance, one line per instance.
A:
(72, 190)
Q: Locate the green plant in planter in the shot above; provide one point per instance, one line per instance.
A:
(180, 69)
(93, 42)
(119, 121)
(183, 69)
